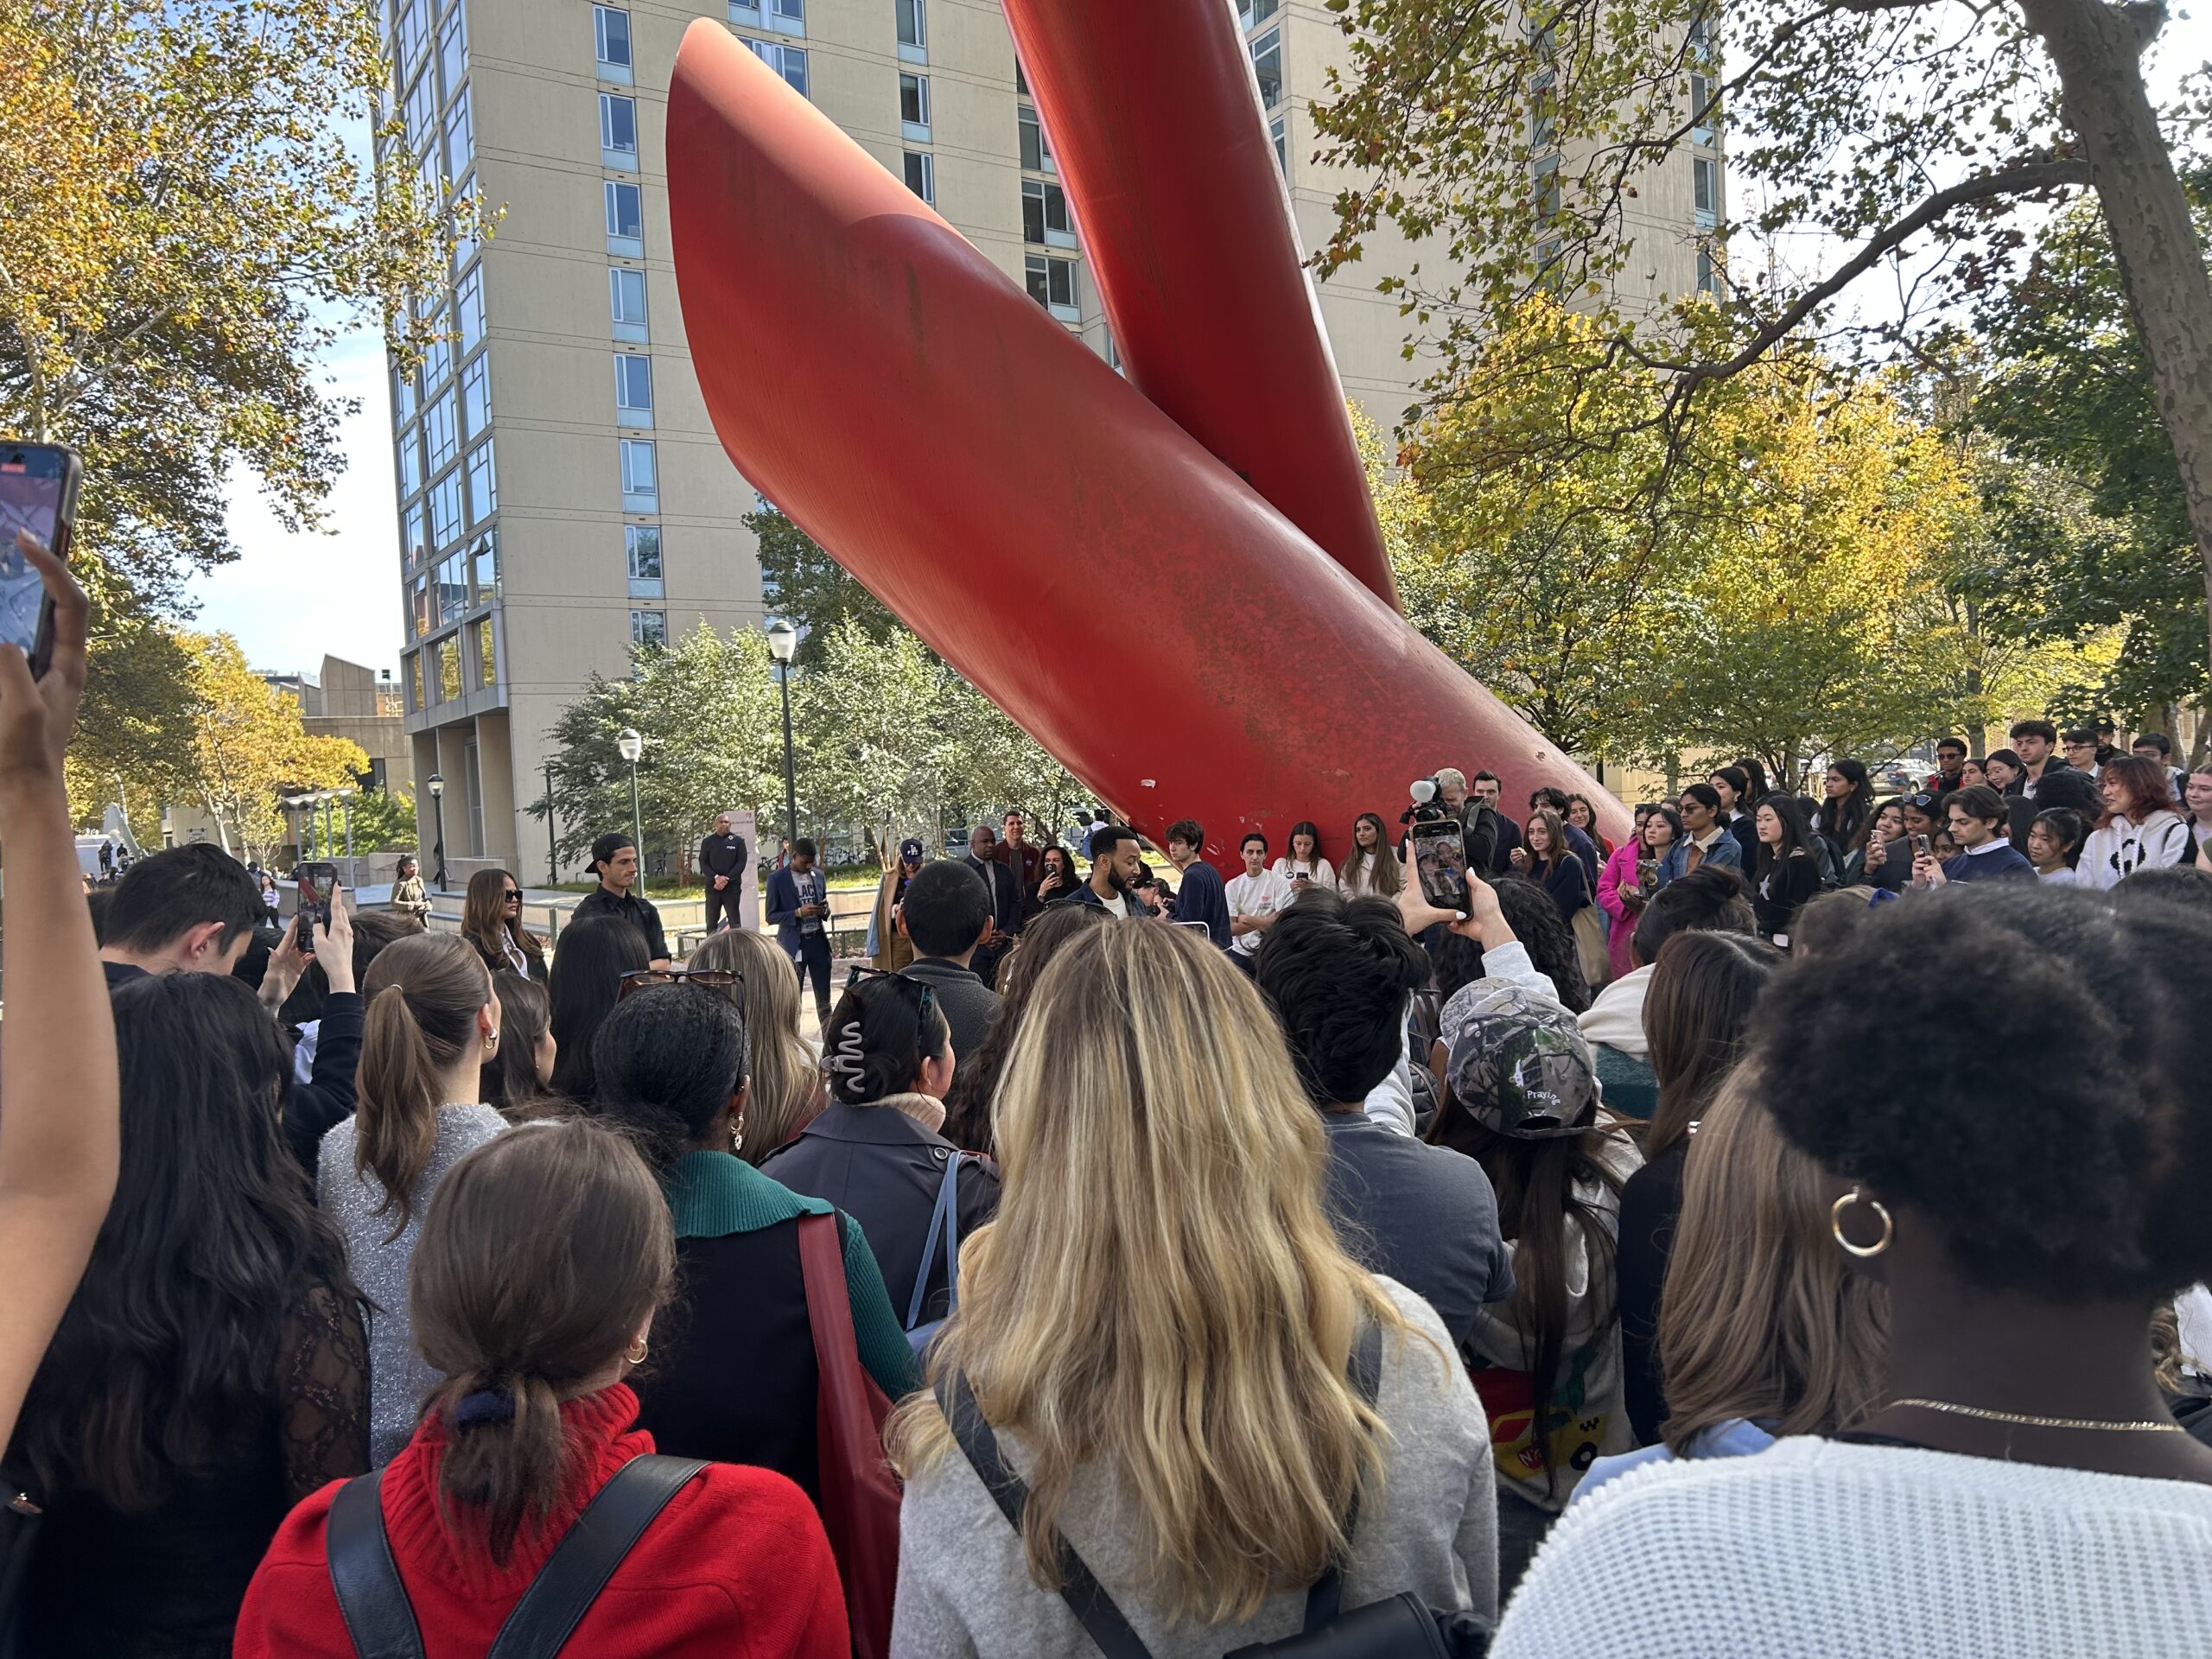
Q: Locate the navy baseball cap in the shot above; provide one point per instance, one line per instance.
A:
(910, 851)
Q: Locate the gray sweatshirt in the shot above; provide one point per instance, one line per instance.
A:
(398, 1379)
(964, 1588)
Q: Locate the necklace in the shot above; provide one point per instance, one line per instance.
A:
(2028, 1419)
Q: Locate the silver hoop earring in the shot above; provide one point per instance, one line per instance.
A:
(1835, 1224)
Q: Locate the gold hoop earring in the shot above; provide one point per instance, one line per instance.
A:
(637, 1352)
(1835, 1224)
(491, 1043)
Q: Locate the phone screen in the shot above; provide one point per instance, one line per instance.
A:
(33, 482)
(316, 880)
(1440, 857)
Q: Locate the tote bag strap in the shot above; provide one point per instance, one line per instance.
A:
(944, 1224)
(372, 1601)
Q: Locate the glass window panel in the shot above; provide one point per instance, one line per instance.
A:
(410, 450)
(641, 542)
(633, 382)
(1266, 64)
(649, 627)
(476, 395)
(423, 618)
(414, 29)
(626, 294)
(468, 300)
(640, 475)
(610, 27)
(921, 174)
(452, 45)
(415, 679)
(487, 655)
(438, 359)
(913, 23)
(1036, 148)
(485, 557)
(439, 438)
(445, 509)
(1279, 130)
(1256, 11)
(414, 535)
(403, 395)
(461, 137)
(914, 99)
(618, 123)
(449, 650)
(483, 484)
(624, 210)
(421, 109)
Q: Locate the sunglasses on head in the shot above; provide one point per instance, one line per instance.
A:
(714, 978)
(856, 974)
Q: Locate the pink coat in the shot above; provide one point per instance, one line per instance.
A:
(1619, 872)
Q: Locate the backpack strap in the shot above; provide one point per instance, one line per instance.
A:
(1325, 1596)
(378, 1617)
(945, 1223)
(1085, 1597)
(581, 1562)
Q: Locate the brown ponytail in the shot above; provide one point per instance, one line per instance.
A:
(544, 1251)
(423, 996)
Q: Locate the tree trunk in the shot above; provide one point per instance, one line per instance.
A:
(2097, 49)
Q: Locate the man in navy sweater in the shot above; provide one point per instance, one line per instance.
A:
(1201, 898)
(1977, 816)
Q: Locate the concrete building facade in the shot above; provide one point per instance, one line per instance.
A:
(562, 495)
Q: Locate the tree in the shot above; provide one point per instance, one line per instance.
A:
(811, 590)
(1518, 146)
(249, 747)
(876, 742)
(383, 822)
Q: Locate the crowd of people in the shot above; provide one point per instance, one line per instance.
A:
(1689, 1247)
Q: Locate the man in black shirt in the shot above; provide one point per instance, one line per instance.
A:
(614, 860)
(188, 910)
(721, 865)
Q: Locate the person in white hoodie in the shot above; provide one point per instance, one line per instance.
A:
(2140, 830)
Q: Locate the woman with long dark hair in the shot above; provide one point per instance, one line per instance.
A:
(491, 920)
(1880, 855)
(968, 1105)
(1372, 866)
(544, 1263)
(210, 1369)
(1302, 860)
(1850, 800)
(1620, 892)
(1546, 859)
(1581, 815)
(1056, 876)
(520, 1069)
(587, 969)
(409, 896)
(430, 1024)
(1788, 872)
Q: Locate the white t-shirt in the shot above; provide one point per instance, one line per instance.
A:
(1318, 869)
(1114, 905)
(1256, 895)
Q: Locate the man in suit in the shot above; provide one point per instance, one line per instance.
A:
(721, 863)
(1003, 886)
(798, 903)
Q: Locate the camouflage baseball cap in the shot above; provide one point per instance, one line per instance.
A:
(1520, 1065)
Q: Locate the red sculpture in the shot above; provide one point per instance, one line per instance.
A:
(1137, 607)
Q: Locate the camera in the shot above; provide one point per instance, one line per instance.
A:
(1428, 805)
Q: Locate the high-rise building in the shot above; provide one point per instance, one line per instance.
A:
(562, 492)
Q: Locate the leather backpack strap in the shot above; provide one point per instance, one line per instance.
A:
(372, 1600)
(580, 1564)
(1325, 1597)
(1085, 1597)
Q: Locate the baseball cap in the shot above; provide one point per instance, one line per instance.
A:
(910, 851)
(1520, 1065)
(606, 847)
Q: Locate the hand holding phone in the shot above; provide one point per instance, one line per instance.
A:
(38, 496)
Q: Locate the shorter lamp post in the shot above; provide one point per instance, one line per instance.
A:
(438, 806)
(783, 645)
(631, 747)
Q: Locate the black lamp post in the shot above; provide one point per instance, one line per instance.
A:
(438, 806)
(631, 747)
(783, 645)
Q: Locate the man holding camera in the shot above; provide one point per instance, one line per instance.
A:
(1475, 814)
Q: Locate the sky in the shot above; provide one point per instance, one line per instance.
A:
(354, 565)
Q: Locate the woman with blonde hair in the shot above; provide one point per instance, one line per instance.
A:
(1763, 1329)
(431, 1023)
(491, 920)
(785, 1091)
(1196, 1438)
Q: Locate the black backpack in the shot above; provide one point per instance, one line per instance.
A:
(1400, 1627)
(381, 1621)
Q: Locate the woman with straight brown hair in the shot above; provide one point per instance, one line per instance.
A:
(1696, 1013)
(1763, 1329)
(1161, 1322)
(543, 1260)
(491, 920)
(520, 1069)
(431, 1022)
(783, 1088)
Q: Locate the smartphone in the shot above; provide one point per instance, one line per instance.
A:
(1440, 859)
(1922, 846)
(317, 880)
(38, 493)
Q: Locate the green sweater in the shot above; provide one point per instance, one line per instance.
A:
(712, 1194)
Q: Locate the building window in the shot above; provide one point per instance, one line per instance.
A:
(921, 174)
(610, 37)
(1036, 149)
(414, 31)
(476, 395)
(1701, 94)
(452, 46)
(624, 220)
(1252, 12)
(437, 356)
(452, 588)
(1045, 215)
(461, 137)
(640, 475)
(914, 30)
(789, 61)
(422, 109)
(1548, 197)
(468, 300)
(483, 484)
(449, 650)
(1279, 132)
(744, 11)
(618, 130)
(438, 437)
(626, 299)
(1266, 64)
(1705, 191)
(487, 655)
(483, 561)
(649, 627)
(914, 107)
(415, 681)
(641, 542)
(411, 462)
(445, 509)
(633, 390)
(421, 611)
(1707, 282)
(414, 535)
(786, 16)
(1052, 285)
(1543, 110)
(403, 395)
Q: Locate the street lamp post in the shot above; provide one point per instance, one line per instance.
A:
(631, 746)
(346, 805)
(552, 836)
(438, 806)
(783, 644)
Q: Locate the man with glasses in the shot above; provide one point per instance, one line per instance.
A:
(798, 905)
(2080, 750)
(614, 860)
(722, 864)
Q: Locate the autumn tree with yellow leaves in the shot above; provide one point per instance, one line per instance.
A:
(249, 747)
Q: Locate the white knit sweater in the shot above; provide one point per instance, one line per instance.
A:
(1820, 1547)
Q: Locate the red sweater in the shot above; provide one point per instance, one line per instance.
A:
(736, 1566)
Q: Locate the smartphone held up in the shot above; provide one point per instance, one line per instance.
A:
(38, 494)
(318, 883)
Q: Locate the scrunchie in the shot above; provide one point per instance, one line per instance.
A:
(484, 1406)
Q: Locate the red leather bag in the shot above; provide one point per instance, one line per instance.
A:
(860, 1493)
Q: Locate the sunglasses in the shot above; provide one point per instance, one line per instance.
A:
(717, 979)
(856, 974)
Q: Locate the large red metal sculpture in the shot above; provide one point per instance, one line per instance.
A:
(1136, 607)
